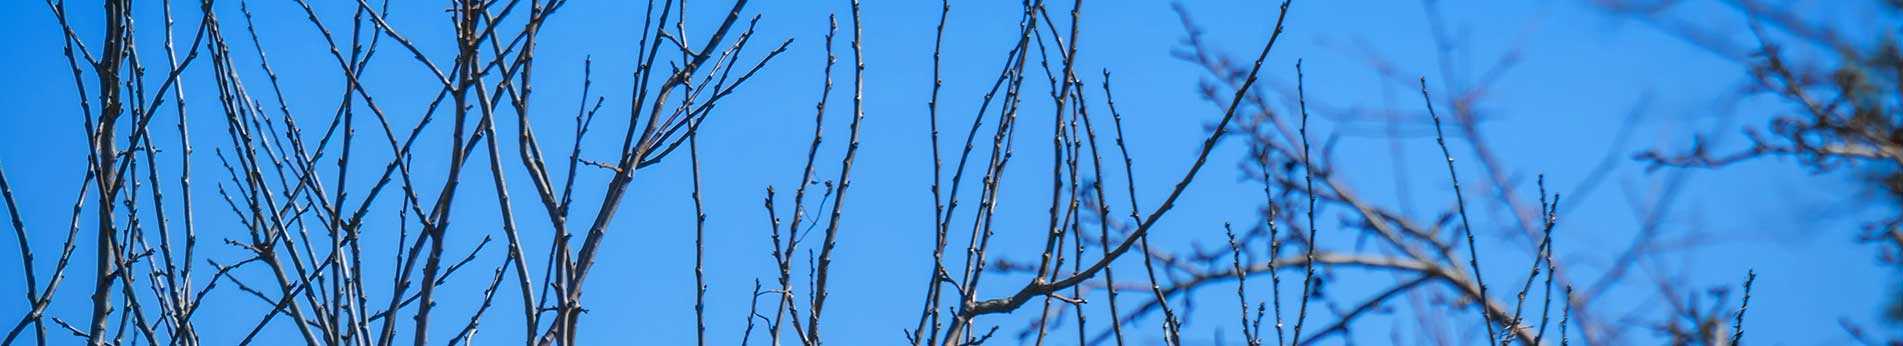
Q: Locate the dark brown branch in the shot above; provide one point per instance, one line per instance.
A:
(1737, 325)
(1473, 253)
(1308, 177)
(930, 312)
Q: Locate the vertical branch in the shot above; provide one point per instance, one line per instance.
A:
(785, 254)
(1103, 205)
(1275, 241)
(530, 154)
(19, 233)
(350, 269)
(104, 154)
(1011, 77)
(929, 314)
(845, 175)
(1460, 202)
(1056, 230)
(1542, 252)
(700, 239)
(71, 44)
(178, 279)
(779, 310)
(1565, 315)
(1737, 324)
(1052, 258)
(1075, 212)
(134, 314)
(1308, 170)
(1546, 308)
(753, 311)
(516, 259)
(435, 230)
(1242, 285)
(1129, 176)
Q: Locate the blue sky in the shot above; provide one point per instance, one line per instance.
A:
(1580, 77)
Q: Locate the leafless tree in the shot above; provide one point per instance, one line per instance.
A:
(300, 207)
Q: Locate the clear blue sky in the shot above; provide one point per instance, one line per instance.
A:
(1579, 77)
